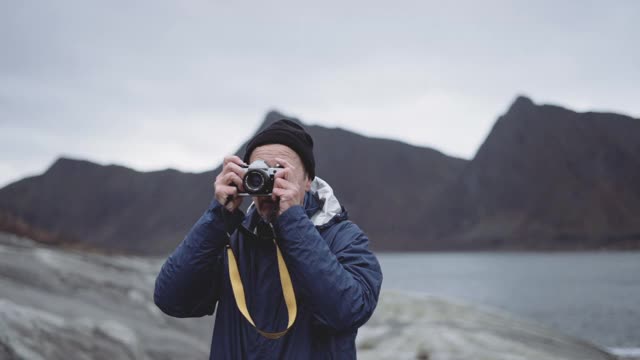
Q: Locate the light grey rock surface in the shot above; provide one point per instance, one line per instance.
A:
(415, 326)
(57, 304)
(67, 305)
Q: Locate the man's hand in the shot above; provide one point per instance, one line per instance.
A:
(286, 187)
(231, 174)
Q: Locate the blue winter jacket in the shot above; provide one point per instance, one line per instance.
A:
(335, 276)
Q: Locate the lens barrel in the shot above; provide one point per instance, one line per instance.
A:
(254, 181)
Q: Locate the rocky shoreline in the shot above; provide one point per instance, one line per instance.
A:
(57, 304)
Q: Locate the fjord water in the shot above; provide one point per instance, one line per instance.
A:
(591, 295)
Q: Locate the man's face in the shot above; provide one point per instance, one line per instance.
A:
(267, 208)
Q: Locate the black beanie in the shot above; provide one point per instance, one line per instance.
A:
(288, 133)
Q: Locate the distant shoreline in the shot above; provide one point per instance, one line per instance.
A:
(626, 353)
(591, 295)
(511, 251)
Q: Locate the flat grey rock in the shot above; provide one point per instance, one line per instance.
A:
(415, 326)
(57, 304)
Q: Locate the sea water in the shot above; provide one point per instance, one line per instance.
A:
(590, 295)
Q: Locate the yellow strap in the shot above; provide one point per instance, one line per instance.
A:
(287, 291)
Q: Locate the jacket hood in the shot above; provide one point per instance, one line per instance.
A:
(330, 206)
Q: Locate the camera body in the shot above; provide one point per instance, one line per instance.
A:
(259, 178)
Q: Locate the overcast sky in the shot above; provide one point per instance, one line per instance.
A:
(154, 84)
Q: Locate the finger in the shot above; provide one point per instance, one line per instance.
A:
(233, 159)
(237, 200)
(278, 192)
(232, 203)
(284, 163)
(225, 192)
(240, 171)
(228, 190)
(281, 183)
(283, 174)
(225, 179)
(232, 166)
(232, 178)
(286, 194)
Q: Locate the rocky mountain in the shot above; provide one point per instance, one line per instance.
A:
(119, 209)
(108, 207)
(545, 178)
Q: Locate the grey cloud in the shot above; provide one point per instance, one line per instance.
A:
(113, 72)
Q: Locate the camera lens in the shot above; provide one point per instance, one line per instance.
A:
(253, 181)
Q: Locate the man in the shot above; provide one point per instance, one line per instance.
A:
(335, 278)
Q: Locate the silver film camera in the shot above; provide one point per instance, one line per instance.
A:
(259, 178)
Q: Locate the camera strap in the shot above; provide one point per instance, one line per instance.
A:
(287, 291)
(238, 288)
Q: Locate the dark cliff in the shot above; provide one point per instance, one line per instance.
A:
(120, 209)
(545, 178)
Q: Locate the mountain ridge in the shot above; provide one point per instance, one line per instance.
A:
(543, 165)
(544, 178)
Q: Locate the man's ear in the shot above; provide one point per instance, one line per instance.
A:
(307, 184)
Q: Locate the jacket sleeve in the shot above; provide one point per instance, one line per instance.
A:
(189, 281)
(341, 284)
